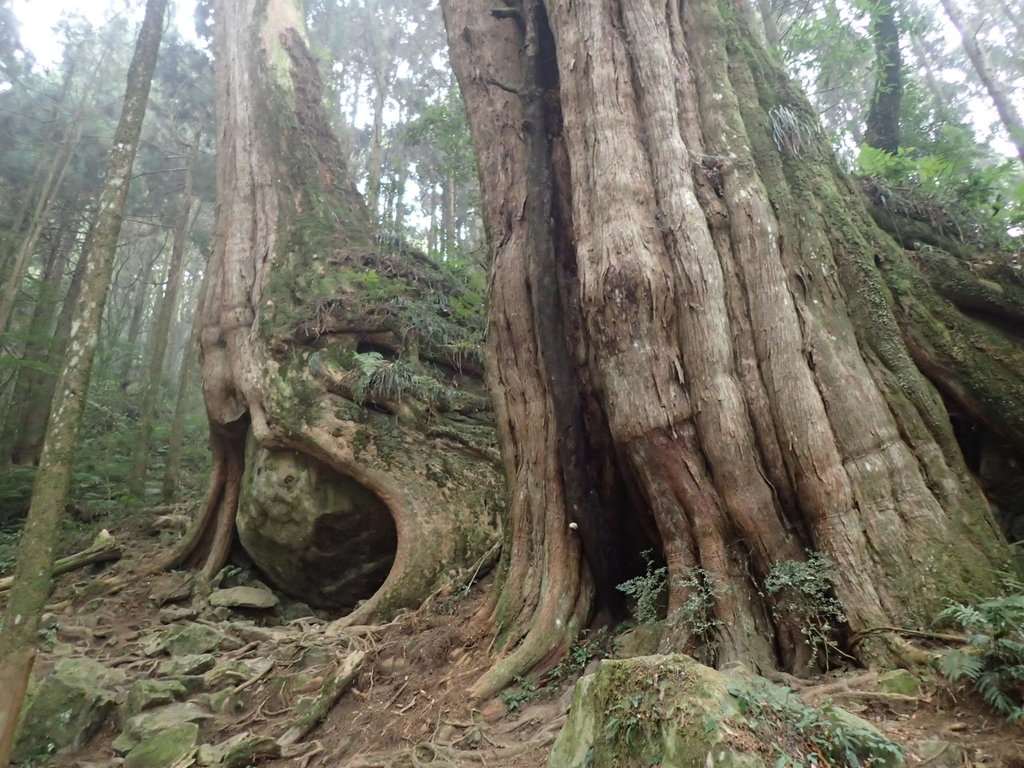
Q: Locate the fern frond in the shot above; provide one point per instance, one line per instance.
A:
(957, 664)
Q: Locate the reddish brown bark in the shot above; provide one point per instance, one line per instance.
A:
(745, 387)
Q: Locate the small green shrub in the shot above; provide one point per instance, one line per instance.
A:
(801, 592)
(589, 646)
(994, 659)
(646, 590)
(522, 691)
(801, 735)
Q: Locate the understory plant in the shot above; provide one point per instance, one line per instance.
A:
(994, 658)
(646, 590)
(801, 595)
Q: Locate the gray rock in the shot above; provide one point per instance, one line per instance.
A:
(68, 707)
(238, 751)
(288, 503)
(165, 749)
(189, 664)
(243, 597)
(173, 613)
(641, 640)
(940, 754)
(146, 725)
(191, 639)
(147, 694)
(898, 681)
(673, 711)
(170, 588)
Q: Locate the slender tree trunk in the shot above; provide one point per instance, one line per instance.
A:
(172, 465)
(737, 329)
(448, 239)
(39, 340)
(29, 195)
(374, 156)
(140, 304)
(939, 98)
(33, 573)
(883, 123)
(28, 444)
(1008, 114)
(768, 22)
(158, 341)
(20, 261)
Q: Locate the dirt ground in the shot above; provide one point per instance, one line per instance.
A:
(407, 704)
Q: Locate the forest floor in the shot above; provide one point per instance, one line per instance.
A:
(405, 705)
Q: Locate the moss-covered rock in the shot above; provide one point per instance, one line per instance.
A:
(147, 694)
(674, 712)
(145, 727)
(164, 749)
(67, 708)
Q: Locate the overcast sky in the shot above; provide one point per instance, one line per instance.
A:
(37, 20)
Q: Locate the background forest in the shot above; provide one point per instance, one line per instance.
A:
(397, 108)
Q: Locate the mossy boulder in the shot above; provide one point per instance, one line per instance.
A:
(145, 727)
(164, 749)
(148, 694)
(674, 712)
(68, 707)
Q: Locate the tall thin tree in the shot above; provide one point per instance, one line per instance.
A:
(34, 571)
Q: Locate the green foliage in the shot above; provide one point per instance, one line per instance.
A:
(955, 178)
(646, 590)
(801, 592)
(698, 610)
(588, 646)
(791, 133)
(800, 735)
(994, 660)
(522, 691)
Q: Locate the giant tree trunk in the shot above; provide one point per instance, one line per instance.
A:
(329, 365)
(700, 338)
(33, 573)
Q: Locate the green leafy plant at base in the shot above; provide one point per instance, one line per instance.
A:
(801, 593)
(994, 659)
(698, 611)
(646, 590)
(522, 691)
(802, 736)
(589, 646)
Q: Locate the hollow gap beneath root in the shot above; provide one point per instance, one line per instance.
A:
(316, 534)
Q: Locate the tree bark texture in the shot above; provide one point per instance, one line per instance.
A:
(307, 351)
(33, 572)
(696, 337)
(883, 123)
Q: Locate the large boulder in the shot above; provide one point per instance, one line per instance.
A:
(674, 712)
(67, 708)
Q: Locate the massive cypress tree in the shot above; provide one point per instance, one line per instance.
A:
(331, 362)
(703, 344)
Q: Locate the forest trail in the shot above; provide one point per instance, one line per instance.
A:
(257, 679)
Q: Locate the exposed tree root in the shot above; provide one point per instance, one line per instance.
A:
(103, 549)
(332, 689)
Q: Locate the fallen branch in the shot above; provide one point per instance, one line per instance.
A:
(104, 548)
(332, 689)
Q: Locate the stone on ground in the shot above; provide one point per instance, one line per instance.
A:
(67, 708)
(674, 712)
(243, 597)
(165, 749)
